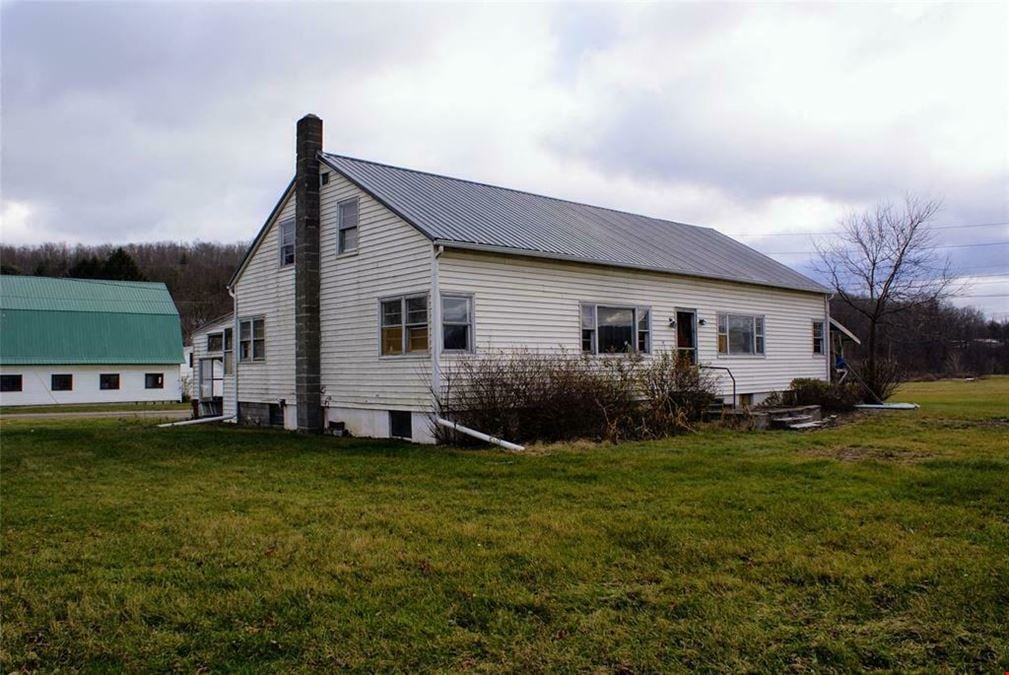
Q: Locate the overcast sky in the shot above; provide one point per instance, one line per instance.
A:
(153, 121)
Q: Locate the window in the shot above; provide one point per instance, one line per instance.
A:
(404, 325)
(108, 381)
(611, 330)
(457, 323)
(348, 226)
(61, 382)
(154, 381)
(252, 339)
(215, 341)
(324, 178)
(819, 344)
(287, 243)
(10, 383)
(740, 334)
(190, 359)
(400, 424)
(229, 350)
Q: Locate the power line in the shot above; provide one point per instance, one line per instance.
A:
(830, 232)
(986, 243)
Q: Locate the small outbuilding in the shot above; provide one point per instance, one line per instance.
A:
(87, 341)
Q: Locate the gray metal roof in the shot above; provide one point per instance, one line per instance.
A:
(467, 214)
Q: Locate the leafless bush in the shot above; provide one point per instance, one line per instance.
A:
(525, 396)
(883, 377)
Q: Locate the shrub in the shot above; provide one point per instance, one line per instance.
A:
(524, 396)
(828, 395)
(884, 378)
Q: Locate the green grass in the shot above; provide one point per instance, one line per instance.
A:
(881, 544)
(93, 407)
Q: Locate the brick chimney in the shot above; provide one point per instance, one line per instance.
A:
(306, 275)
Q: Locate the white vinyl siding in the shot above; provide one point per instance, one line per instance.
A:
(533, 303)
(266, 292)
(392, 259)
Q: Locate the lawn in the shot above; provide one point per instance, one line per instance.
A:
(93, 407)
(880, 544)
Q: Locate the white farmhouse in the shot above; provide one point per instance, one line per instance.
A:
(367, 280)
(87, 341)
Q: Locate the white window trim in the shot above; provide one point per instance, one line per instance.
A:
(728, 354)
(470, 334)
(237, 339)
(280, 242)
(340, 228)
(635, 309)
(404, 354)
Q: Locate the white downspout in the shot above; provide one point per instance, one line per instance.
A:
(828, 341)
(436, 337)
(234, 346)
(478, 434)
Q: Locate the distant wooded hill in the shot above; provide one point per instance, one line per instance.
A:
(936, 338)
(196, 274)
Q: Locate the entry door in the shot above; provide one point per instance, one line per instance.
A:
(686, 333)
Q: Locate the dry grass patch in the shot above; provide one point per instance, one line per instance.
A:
(861, 453)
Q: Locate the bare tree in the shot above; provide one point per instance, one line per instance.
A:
(884, 262)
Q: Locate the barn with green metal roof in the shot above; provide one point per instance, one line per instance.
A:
(87, 341)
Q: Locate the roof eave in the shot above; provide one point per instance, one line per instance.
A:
(378, 198)
(547, 255)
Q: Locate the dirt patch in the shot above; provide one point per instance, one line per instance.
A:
(984, 423)
(861, 453)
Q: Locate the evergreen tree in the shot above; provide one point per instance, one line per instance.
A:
(121, 267)
(87, 267)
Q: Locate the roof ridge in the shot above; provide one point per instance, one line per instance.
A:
(125, 283)
(517, 191)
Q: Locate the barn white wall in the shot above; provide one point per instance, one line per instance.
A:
(37, 380)
(534, 303)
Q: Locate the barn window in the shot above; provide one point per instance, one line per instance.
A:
(287, 242)
(61, 382)
(404, 325)
(154, 381)
(819, 343)
(348, 216)
(614, 330)
(10, 382)
(740, 334)
(252, 339)
(108, 381)
(457, 323)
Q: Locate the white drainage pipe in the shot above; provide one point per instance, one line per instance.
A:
(477, 434)
(199, 420)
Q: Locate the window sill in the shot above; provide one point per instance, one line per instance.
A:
(348, 254)
(414, 356)
(746, 357)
